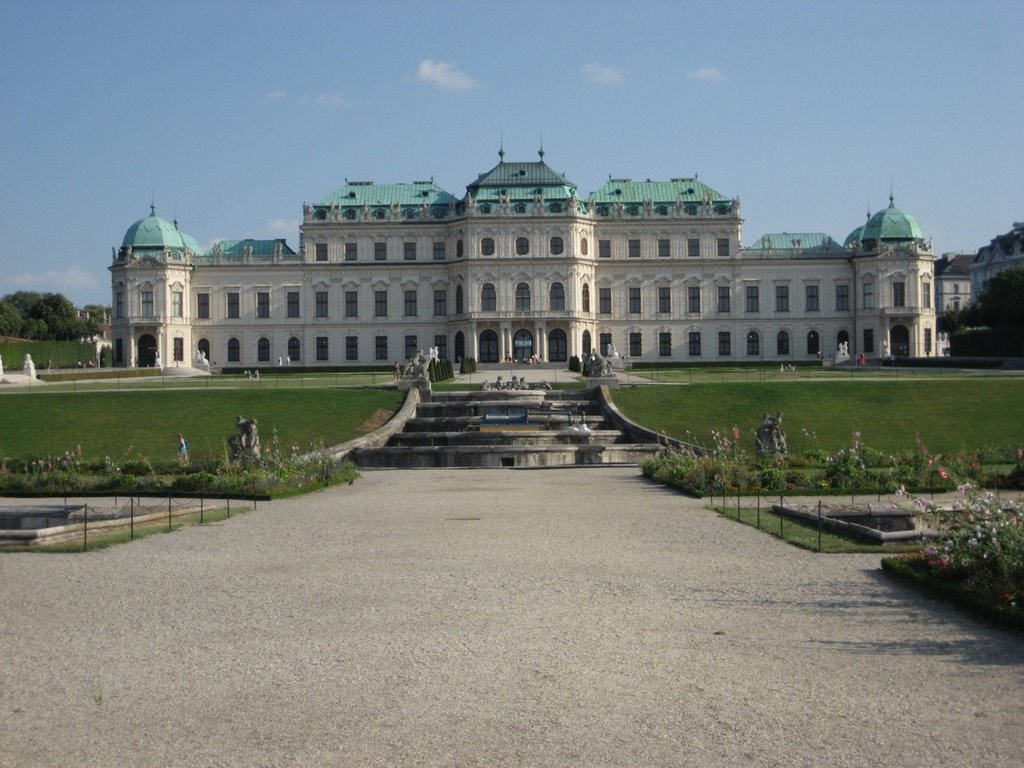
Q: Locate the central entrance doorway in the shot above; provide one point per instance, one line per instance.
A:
(146, 354)
(522, 345)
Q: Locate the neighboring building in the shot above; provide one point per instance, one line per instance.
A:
(521, 266)
(953, 281)
(1003, 252)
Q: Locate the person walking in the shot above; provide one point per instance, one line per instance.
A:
(182, 449)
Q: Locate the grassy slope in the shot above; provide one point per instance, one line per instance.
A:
(950, 416)
(114, 424)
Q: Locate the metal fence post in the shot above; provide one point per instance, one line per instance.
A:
(168, 513)
(132, 528)
(759, 509)
(819, 525)
(85, 530)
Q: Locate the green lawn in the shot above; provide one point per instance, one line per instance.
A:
(950, 415)
(147, 421)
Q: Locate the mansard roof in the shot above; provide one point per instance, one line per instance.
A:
(796, 245)
(258, 247)
(685, 190)
(360, 193)
(521, 181)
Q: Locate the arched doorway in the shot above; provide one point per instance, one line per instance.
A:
(586, 343)
(522, 345)
(488, 347)
(145, 356)
(843, 337)
(558, 347)
(460, 346)
(899, 337)
(813, 343)
(204, 347)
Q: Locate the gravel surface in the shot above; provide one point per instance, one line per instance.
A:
(579, 617)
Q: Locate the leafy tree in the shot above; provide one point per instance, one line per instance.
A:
(10, 319)
(1001, 304)
(60, 316)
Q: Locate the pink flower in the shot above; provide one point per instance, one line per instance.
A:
(735, 433)
(943, 474)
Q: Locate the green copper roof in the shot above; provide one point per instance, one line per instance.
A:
(154, 232)
(259, 247)
(360, 193)
(853, 239)
(685, 191)
(521, 181)
(797, 244)
(891, 225)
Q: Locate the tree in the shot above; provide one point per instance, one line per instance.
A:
(60, 316)
(10, 319)
(1001, 304)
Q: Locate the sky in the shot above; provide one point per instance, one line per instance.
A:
(230, 115)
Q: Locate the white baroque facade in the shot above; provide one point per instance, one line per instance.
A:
(521, 267)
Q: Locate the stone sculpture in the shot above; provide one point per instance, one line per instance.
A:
(771, 439)
(29, 368)
(246, 444)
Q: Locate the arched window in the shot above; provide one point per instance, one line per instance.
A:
(586, 297)
(753, 344)
(458, 250)
(584, 247)
(263, 350)
(488, 347)
(522, 345)
(522, 245)
(522, 298)
(556, 245)
(557, 297)
(487, 246)
(379, 213)
(460, 346)
(294, 350)
(813, 343)
(900, 338)
(488, 298)
(558, 348)
(586, 343)
(350, 214)
(519, 208)
(782, 343)
(460, 303)
(234, 353)
(204, 347)
(843, 337)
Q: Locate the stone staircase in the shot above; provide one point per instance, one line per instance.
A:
(445, 432)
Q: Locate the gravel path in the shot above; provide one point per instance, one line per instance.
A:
(491, 617)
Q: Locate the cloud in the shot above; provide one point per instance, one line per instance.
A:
(276, 95)
(603, 74)
(444, 75)
(282, 228)
(706, 73)
(327, 100)
(68, 279)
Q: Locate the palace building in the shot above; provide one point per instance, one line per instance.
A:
(521, 266)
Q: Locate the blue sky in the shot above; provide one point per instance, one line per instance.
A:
(230, 115)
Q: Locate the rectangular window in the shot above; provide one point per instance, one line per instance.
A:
(380, 347)
(782, 298)
(899, 294)
(693, 299)
(842, 298)
(753, 299)
(119, 304)
(811, 293)
(664, 300)
(693, 248)
(321, 348)
(321, 251)
(634, 300)
(409, 251)
(351, 303)
(724, 343)
(604, 301)
(635, 344)
(321, 303)
(147, 303)
(441, 342)
(380, 251)
(633, 249)
(380, 303)
(665, 344)
(351, 251)
(351, 347)
(411, 345)
(694, 343)
(664, 248)
(263, 304)
(926, 295)
(179, 350)
(440, 302)
(293, 304)
(439, 251)
(723, 298)
(177, 304)
(869, 296)
(604, 249)
(605, 341)
(869, 341)
(723, 246)
(118, 350)
(410, 305)
(232, 305)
